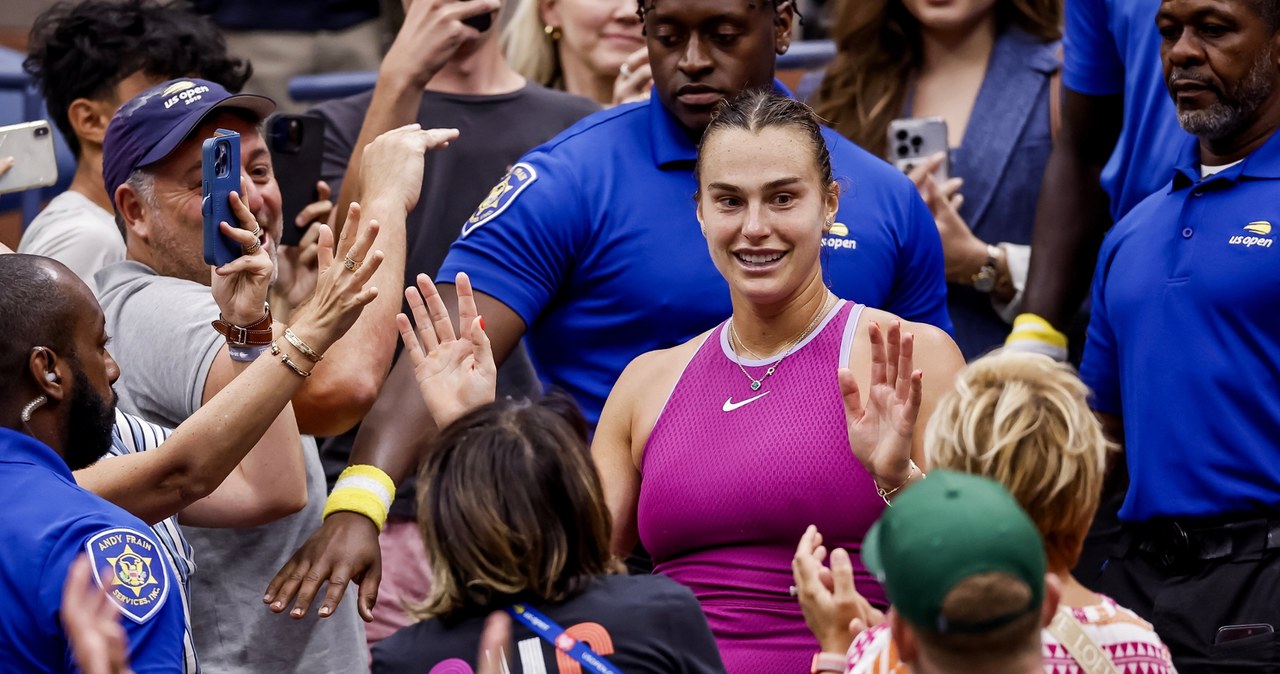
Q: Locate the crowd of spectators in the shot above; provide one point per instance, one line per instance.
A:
(690, 373)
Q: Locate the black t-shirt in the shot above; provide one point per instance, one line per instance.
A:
(651, 625)
(494, 132)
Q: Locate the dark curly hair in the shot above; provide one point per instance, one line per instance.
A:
(643, 6)
(84, 49)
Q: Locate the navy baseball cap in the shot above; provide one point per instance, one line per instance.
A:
(155, 122)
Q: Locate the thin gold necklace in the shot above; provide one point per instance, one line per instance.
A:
(735, 341)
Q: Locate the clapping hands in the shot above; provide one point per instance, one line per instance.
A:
(455, 374)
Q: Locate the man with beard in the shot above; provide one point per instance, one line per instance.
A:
(56, 415)
(1183, 351)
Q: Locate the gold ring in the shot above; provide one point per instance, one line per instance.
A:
(351, 264)
(257, 232)
(252, 250)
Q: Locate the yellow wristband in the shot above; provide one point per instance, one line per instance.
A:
(1033, 334)
(363, 489)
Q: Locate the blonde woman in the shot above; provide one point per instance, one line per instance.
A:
(592, 48)
(1024, 421)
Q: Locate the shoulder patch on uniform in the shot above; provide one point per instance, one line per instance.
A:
(129, 566)
(501, 196)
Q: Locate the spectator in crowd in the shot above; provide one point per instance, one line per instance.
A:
(56, 395)
(588, 48)
(516, 475)
(440, 73)
(752, 386)
(1015, 418)
(1185, 381)
(578, 274)
(965, 570)
(152, 165)
(988, 69)
(286, 38)
(1118, 139)
(87, 58)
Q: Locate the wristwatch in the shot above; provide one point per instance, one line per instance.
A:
(827, 662)
(984, 281)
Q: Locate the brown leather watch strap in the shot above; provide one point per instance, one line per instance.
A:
(256, 334)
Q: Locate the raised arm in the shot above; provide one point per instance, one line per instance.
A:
(1072, 213)
(236, 461)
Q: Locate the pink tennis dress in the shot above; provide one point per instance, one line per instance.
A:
(732, 476)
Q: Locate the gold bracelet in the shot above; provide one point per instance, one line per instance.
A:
(885, 494)
(284, 358)
(302, 346)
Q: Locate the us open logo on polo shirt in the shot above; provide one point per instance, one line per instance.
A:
(836, 238)
(520, 177)
(1259, 235)
(184, 91)
(137, 582)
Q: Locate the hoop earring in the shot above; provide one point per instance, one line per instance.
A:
(553, 33)
(32, 407)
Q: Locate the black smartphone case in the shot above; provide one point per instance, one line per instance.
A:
(297, 150)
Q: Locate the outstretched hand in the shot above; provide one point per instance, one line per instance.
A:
(340, 293)
(833, 609)
(455, 374)
(881, 429)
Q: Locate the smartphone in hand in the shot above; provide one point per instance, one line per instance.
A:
(220, 176)
(481, 22)
(297, 151)
(914, 139)
(31, 146)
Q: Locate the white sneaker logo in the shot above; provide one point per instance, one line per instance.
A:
(730, 406)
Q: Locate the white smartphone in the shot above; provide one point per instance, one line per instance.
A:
(914, 139)
(31, 146)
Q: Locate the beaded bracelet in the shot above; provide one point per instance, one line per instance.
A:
(362, 489)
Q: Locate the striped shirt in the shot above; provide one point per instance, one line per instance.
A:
(132, 435)
(1128, 640)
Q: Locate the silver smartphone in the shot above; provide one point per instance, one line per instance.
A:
(31, 146)
(914, 139)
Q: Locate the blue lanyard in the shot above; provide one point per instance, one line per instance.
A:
(555, 635)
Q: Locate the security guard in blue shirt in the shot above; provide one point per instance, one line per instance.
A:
(56, 416)
(1183, 351)
(591, 243)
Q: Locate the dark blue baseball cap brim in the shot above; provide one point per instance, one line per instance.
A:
(149, 127)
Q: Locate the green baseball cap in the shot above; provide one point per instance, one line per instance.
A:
(944, 529)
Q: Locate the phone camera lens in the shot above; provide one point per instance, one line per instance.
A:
(916, 141)
(220, 161)
(42, 131)
(903, 150)
(901, 134)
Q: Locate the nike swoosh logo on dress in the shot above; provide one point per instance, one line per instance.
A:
(730, 406)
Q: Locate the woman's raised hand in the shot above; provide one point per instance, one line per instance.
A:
(881, 429)
(455, 374)
(340, 293)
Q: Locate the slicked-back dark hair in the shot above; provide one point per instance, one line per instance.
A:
(35, 310)
(511, 508)
(758, 109)
(84, 49)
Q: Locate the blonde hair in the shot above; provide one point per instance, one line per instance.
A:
(528, 48)
(1024, 421)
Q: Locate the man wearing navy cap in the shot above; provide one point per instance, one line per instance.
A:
(1183, 351)
(158, 308)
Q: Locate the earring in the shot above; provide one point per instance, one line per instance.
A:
(553, 33)
(32, 406)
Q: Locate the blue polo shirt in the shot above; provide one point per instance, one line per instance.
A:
(593, 240)
(1184, 340)
(1113, 47)
(48, 521)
